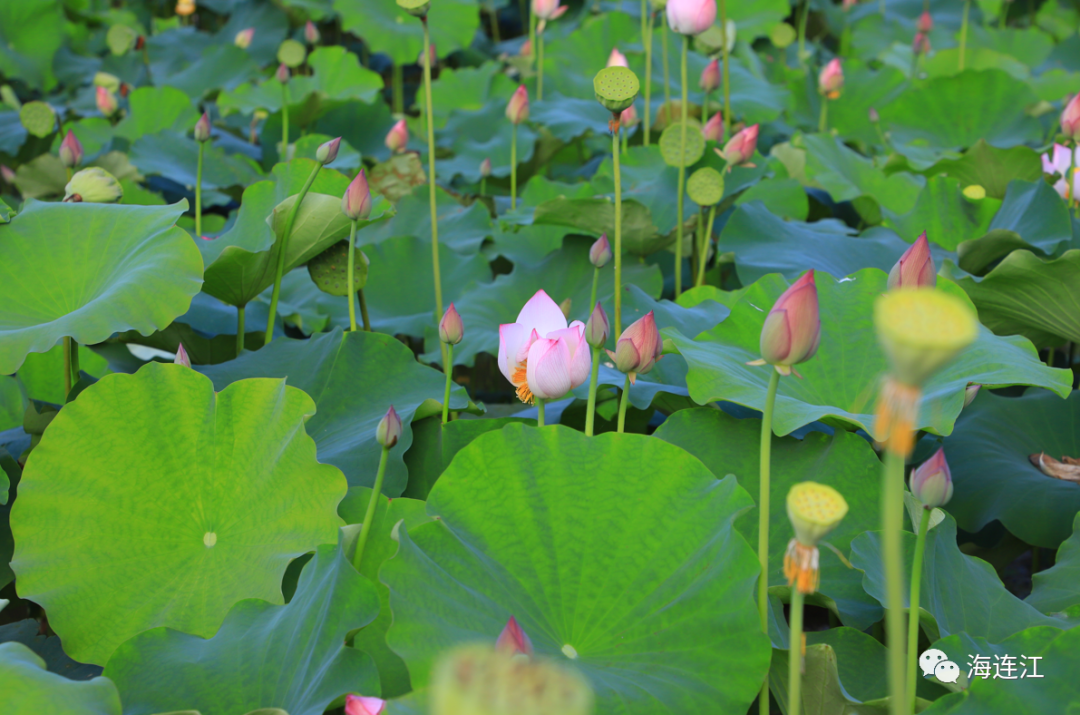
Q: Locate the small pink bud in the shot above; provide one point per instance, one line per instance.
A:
(597, 329)
(691, 17)
(848, 4)
(710, 76)
(970, 393)
(932, 483)
(182, 356)
(513, 640)
(628, 117)
(106, 101)
(639, 347)
(517, 109)
(526, 49)
(485, 168)
(244, 37)
(831, 79)
(713, 130)
(389, 430)
(925, 23)
(397, 138)
(361, 705)
(7, 174)
(327, 151)
(356, 201)
(600, 252)
(1070, 119)
(741, 147)
(915, 269)
(921, 44)
(547, 9)
(617, 59)
(873, 115)
(71, 151)
(283, 73)
(311, 33)
(792, 330)
(202, 128)
(451, 329)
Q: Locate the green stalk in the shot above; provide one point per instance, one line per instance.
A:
(449, 382)
(493, 15)
(351, 278)
(369, 516)
(363, 310)
(626, 141)
(240, 329)
(648, 76)
(67, 367)
(618, 232)
(963, 33)
(622, 404)
(483, 186)
(532, 35)
(892, 519)
(513, 167)
(823, 120)
(284, 249)
(429, 105)
(539, 66)
(590, 410)
(198, 192)
(285, 122)
(595, 285)
(667, 75)
(397, 89)
(802, 30)
(539, 412)
(795, 654)
(763, 521)
(913, 611)
(682, 171)
(703, 251)
(74, 362)
(705, 109)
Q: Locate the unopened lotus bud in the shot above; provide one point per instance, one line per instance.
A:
(831, 79)
(327, 151)
(356, 201)
(915, 269)
(628, 118)
(548, 9)
(814, 510)
(485, 168)
(7, 174)
(691, 17)
(710, 76)
(1070, 119)
(970, 393)
(71, 151)
(925, 23)
(597, 329)
(282, 73)
(600, 252)
(202, 128)
(517, 109)
(311, 33)
(185, 7)
(617, 59)
(244, 37)
(848, 4)
(921, 44)
(362, 705)
(106, 101)
(921, 330)
(109, 81)
(932, 483)
(713, 130)
(513, 640)
(93, 185)
(638, 348)
(397, 138)
(451, 329)
(389, 430)
(182, 356)
(526, 49)
(740, 147)
(792, 329)
(873, 115)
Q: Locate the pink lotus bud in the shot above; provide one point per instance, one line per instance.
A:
(714, 128)
(389, 430)
(597, 329)
(932, 483)
(311, 33)
(356, 201)
(106, 101)
(970, 393)
(848, 4)
(600, 252)
(925, 23)
(283, 73)
(513, 640)
(1070, 119)
(202, 128)
(361, 705)
(639, 347)
(182, 356)
(244, 37)
(7, 174)
(548, 9)
(628, 117)
(792, 330)
(451, 329)
(327, 151)
(873, 115)
(741, 147)
(921, 44)
(517, 109)
(915, 269)
(71, 151)
(617, 59)
(485, 168)
(691, 17)
(397, 138)
(526, 49)
(710, 76)
(831, 79)
(431, 56)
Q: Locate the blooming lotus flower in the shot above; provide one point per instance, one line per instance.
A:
(106, 101)
(596, 330)
(714, 128)
(915, 268)
(356, 201)
(831, 79)
(513, 639)
(617, 59)
(202, 128)
(182, 356)
(539, 354)
(244, 37)
(361, 705)
(548, 9)
(283, 73)
(311, 33)
(1070, 119)
(1060, 162)
(792, 330)
(932, 483)
(740, 147)
(389, 430)
(638, 348)
(397, 138)
(925, 23)
(600, 252)
(451, 329)
(517, 109)
(628, 117)
(71, 151)
(328, 151)
(691, 17)
(710, 76)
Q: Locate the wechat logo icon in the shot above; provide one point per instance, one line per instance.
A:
(935, 663)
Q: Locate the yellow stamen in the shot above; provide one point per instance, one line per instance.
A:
(521, 382)
(801, 567)
(897, 411)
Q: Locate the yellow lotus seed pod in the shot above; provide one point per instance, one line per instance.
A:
(921, 330)
(815, 510)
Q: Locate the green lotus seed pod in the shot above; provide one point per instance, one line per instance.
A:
(95, 186)
(109, 81)
(329, 270)
(121, 39)
(782, 35)
(705, 186)
(671, 144)
(291, 54)
(616, 88)
(38, 118)
(416, 8)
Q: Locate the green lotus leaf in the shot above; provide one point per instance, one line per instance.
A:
(945, 214)
(847, 176)
(461, 228)
(631, 592)
(569, 118)
(1058, 588)
(182, 545)
(48, 648)
(841, 381)
(155, 109)
(849, 114)
(1030, 46)
(784, 197)
(597, 216)
(12, 407)
(991, 168)
(109, 268)
(29, 689)
(172, 154)
(473, 136)
(453, 24)
(30, 34)
(42, 374)
(197, 63)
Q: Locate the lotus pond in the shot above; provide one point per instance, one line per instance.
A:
(522, 357)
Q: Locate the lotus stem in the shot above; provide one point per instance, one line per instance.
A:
(913, 610)
(724, 62)
(892, 518)
(483, 186)
(802, 29)
(703, 251)
(67, 367)
(449, 382)
(363, 310)
(429, 107)
(763, 522)
(397, 89)
(618, 231)
(539, 65)
(369, 515)
(75, 371)
(623, 401)
(240, 329)
(493, 15)
(595, 285)
(667, 75)
(284, 249)
(648, 77)
(532, 36)
(351, 277)
(705, 109)
(625, 141)
(513, 167)
(539, 412)
(590, 410)
(795, 654)
(198, 192)
(285, 122)
(682, 171)
(823, 120)
(963, 34)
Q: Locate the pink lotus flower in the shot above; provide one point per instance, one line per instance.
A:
(921, 44)
(311, 33)
(202, 128)
(1059, 163)
(328, 151)
(539, 354)
(71, 151)
(517, 109)
(397, 138)
(485, 168)
(106, 101)
(513, 640)
(1070, 119)
(356, 201)
(638, 348)
(714, 128)
(848, 4)
(597, 329)
(451, 329)
(182, 356)
(925, 23)
(548, 9)
(792, 330)
(915, 269)
(740, 147)
(600, 252)
(831, 79)
(710, 76)
(691, 17)
(932, 483)
(389, 430)
(628, 117)
(617, 59)
(361, 705)
(283, 73)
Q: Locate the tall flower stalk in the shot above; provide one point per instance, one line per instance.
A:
(451, 331)
(386, 434)
(599, 256)
(202, 135)
(648, 38)
(283, 78)
(830, 83)
(543, 11)
(724, 57)
(596, 334)
(517, 111)
(964, 34)
(356, 205)
(636, 351)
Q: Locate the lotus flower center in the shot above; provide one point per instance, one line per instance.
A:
(209, 539)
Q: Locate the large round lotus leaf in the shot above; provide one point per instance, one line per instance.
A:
(650, 594)
(38, 118)
(675, 154)
(946, 216)
(209, 496)
(1058, 588)
(88, 271)
(847, 175)
(155, 109)
(989, 455)
(453, 24)
(292, 657)
(29, 689)
(841, 381)
(991, 168)
(120, 39)
(330, 269)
